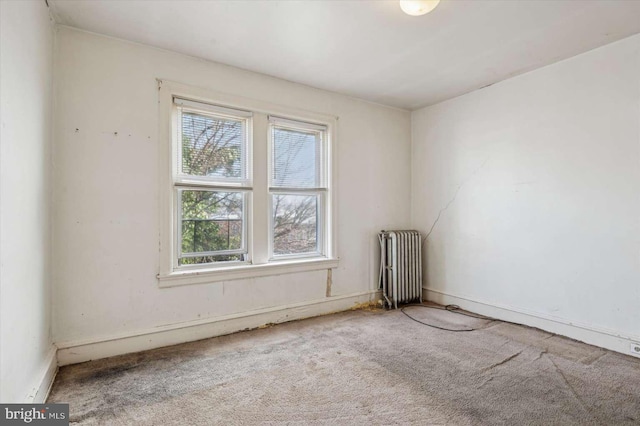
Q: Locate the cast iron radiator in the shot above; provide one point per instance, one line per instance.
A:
(400, 267)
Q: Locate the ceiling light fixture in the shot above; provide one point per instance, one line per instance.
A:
(418, 7)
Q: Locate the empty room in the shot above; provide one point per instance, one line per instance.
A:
(320, 212)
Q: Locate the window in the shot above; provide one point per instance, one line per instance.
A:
(212, 183)
(297, 187)
(248, 188)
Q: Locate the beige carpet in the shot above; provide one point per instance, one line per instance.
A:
(361, 368)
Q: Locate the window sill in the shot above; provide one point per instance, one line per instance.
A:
(180, 278)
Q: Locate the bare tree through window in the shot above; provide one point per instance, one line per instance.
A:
(295, 215)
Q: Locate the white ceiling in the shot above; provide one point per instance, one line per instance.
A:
(367, 49)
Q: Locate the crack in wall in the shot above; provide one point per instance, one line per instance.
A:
(455, 195)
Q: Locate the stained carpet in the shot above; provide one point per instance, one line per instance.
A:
(361, 368)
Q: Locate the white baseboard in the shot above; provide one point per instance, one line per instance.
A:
(604, 338)
(40, 391)
(81, 351)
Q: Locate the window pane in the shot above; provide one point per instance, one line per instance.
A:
(211, 222)
(295, 219)
(296, 158)
(212, 146)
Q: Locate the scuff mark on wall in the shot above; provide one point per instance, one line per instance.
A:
(329, 282)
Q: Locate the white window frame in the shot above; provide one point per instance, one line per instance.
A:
(186, 182)
(257, 212)
(320, 192)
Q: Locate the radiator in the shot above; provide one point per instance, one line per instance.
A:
(400, 267)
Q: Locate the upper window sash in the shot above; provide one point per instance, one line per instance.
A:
(297, 155)
(231, 126)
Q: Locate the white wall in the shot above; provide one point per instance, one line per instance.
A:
(26, 355)
(537, 183)
(106, 191)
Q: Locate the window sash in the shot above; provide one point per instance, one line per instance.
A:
(220, 113)
(178, 225)
(321, 213)
(321, 163)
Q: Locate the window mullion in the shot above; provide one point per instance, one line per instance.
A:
(260, 219)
